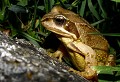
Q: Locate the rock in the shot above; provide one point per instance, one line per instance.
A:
(21, 61)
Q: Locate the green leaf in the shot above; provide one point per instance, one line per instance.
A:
(92, 9)
(23, 2)
(41, 7)
(116, 0)
(18, 9)
(106, 68)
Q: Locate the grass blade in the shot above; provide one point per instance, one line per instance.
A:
(31, 39)
(101, 7)
(82, 9)
(118, 42)
(116, 0)
(92, 9)
(98, 22)
(107, 34)
(106, 68)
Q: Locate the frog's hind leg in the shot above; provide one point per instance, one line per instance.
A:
(88, 73)
(110, 60)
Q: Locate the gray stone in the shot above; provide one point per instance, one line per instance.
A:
(20, 61)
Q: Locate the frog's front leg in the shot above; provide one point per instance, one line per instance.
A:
(89, 55)
(61, 51)
(85, 50)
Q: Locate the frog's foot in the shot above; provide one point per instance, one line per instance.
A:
(88, 74)
(110, 60)
(58, 54)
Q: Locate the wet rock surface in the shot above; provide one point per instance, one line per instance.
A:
(20, 61)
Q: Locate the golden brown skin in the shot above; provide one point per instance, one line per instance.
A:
(84, 49)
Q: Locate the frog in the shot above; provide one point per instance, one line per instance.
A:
(84, 48)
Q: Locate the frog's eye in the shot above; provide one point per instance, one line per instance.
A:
(59, 20)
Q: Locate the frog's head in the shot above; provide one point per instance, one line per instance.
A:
(60, 21)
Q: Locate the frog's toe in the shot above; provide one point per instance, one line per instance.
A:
(110, 60)
(58, 55)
